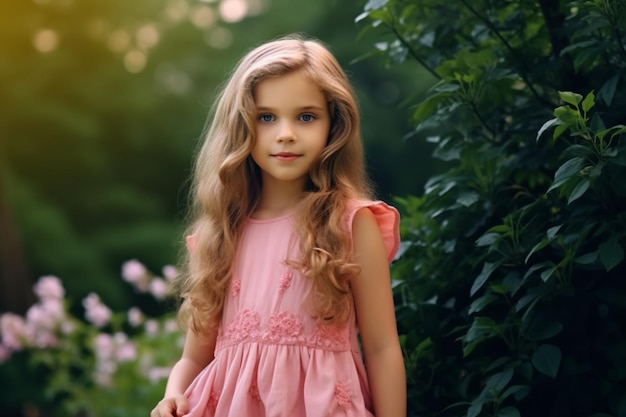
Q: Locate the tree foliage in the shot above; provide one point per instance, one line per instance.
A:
(510, 288)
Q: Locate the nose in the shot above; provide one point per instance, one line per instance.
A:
(286, 133)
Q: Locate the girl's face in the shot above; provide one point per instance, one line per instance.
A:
(292, 126)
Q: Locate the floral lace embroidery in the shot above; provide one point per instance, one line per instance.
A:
(283, 326)
(285, 282)
(214, 398)
(343, 396)
(244, 326)
(254, 391)
(329, 336)
(235, 287)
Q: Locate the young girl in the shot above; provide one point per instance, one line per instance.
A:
(287, 254)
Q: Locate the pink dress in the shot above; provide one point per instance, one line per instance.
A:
(272, 359)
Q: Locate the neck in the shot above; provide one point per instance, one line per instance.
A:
(277, 199)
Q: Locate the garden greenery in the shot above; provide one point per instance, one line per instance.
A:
(511, 286)
(105, 364)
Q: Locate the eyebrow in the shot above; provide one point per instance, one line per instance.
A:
(304, 108)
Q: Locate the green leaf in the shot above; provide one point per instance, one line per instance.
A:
(481, 302)
(547, 125)
(567, 115)
(587, 258)
(547, 359)
(547, 274)
(551, 232)
(500, 380)
(480, 280)
(375, 4)
(589, 101)
(571, 98)
(578, 191)
(468, 198)
(607, 91)
(579, 150)
(542, 244)
(512, 390)
(536, 267)
(560, 129)
(508, 412)
(488, 239)
(611, 254)
(476, 407)
(480, 329)
(566, 171)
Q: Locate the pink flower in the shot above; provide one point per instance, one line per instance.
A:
(152, 327)
(95, 311)
(170, 326)
(103, 346)
(47, 314)
(135, 273)
(159, 288)
(135, 316)
(49, 287)
(13, 330)
(125, 350)
(169, 272)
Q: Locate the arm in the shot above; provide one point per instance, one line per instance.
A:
(197, 354)
(375, 312)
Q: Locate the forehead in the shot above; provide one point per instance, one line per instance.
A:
(294, 88)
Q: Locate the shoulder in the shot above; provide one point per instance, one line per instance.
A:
(366, 217)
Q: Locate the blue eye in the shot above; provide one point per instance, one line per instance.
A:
(307, 117)
(266, 118)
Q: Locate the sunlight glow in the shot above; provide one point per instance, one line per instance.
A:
(203, 17)
(176, 10)
(147, 36)
(46, 40)
(119, 41)
(233, 10)
(219, 38)
(135, 61)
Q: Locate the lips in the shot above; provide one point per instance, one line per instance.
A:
(286, 156)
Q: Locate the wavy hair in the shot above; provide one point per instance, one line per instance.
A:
(227, 184)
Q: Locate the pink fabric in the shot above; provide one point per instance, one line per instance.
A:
(271, 358)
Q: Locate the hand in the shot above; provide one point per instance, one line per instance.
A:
(171, 407)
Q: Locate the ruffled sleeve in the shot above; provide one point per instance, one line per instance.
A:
(388, 220)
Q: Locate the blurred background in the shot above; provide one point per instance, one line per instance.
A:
(103, 104)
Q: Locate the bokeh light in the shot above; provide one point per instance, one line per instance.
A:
(119, 41)
(203, 17)
(135, 61)
(233, 10)
(219, 38)
(46, 40)
(147, 36)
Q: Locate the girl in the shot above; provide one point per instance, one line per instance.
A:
(287, 255)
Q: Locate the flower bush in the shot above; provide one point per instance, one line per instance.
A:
(107, 363)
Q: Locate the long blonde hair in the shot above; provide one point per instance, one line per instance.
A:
(226, 186)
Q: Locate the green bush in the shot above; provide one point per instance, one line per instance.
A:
(511, 285)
